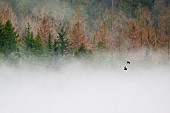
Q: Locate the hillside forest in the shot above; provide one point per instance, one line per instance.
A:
(69, 29)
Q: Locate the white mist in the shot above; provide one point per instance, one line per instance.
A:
(79, 88)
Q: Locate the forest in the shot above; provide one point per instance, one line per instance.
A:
(47, 30)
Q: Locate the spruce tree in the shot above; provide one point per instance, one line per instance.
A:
(49, 46)
(81, 50)
(37, 45)
(8, 38)
(61, 43)
(33, 45)
(28, 38)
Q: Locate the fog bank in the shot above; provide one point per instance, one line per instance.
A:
(81, 88)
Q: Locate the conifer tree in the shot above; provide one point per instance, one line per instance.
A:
(33, 46)
(8, 38)
(61, 43)
(81, 50)
(49, 46)
(28, 38)
(37, 45)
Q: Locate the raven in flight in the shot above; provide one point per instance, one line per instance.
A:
(125, 68)
(128, 62)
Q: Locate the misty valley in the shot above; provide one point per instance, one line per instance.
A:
(84, 56)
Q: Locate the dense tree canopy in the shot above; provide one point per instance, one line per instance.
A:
(78, 27)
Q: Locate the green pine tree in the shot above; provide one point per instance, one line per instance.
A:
(81, 50)
(8, 38)
(61, 43)
(37, 45)
(49, 46)
(28, 38)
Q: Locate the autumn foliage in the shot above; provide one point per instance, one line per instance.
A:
(114, 30)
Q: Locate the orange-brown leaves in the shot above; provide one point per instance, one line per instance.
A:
(6, 13)
(45, 29)
(77, 36)
(142, 36)
(135, 35)
(101, 36)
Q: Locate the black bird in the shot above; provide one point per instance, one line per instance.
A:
(128, 62)
(125, 68)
